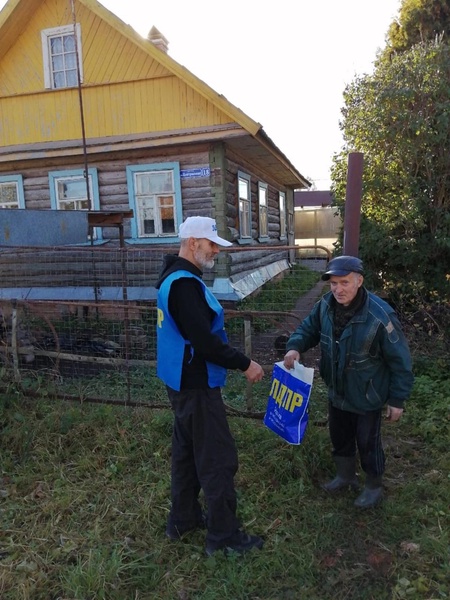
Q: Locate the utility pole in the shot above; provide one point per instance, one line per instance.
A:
(353, 196)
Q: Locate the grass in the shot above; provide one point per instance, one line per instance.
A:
(84, 498)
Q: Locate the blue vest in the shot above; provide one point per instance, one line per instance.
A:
(171, 344)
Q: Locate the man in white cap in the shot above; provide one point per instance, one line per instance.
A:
(193, 356)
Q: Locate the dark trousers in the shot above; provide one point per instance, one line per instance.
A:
(349, 431)
(204, 456)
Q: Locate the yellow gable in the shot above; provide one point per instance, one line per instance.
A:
(130, 87)
(127, 88)
(107, 56)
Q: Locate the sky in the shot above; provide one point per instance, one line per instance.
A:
(284, 63)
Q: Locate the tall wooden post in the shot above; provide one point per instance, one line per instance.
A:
(353, 203)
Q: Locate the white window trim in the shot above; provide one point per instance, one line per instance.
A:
(46, 34)
(283, 216)
(55, 176)
(245, 238)
(178, 207)
(263, 186)
(18, 180)
(291, 225)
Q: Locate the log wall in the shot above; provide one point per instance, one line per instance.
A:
(139, 264)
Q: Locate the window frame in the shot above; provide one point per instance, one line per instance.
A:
(283, 217)
(132, 170)
(55, 176)
(263, 209)
(18, 180)
(291, 224)
(245, 237)
(46, 35)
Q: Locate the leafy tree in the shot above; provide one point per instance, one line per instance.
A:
(418, 21)
(399, 117)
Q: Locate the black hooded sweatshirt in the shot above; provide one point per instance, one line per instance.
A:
(193, 317)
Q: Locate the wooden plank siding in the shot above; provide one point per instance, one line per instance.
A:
(139, 107)
(124, 91)
(83, 267)
(120, 109)
(273, 216)
(248, 260)
(100, 268)
(111, 267)
(108, 57)
(202, 196)
(113, 182)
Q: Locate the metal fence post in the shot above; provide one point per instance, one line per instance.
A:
(14, 346)
(248, 352)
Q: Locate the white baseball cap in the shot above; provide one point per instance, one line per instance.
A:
(202, 227)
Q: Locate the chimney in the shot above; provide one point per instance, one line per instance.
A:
(157, 38)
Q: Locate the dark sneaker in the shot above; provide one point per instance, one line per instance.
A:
(240, 542)
(175, 533)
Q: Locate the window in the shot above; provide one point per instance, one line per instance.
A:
(263, 209)
(69, 191)
(244, 196)
(282, 215)
(59, 48)
(11, 192)
(155, 197)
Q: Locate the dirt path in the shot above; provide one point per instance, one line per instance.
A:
(270, 347)
(305, 303)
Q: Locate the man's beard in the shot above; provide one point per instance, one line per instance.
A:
(202, 260)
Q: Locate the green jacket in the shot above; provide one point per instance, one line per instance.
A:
(370, 365)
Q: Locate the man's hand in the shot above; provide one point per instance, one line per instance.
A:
(393, 413)
(254, 373)
(290, 357)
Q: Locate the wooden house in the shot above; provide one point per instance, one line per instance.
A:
(96, 118)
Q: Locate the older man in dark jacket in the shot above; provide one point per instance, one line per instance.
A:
(366, 364)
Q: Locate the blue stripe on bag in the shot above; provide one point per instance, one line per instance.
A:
(287, 406)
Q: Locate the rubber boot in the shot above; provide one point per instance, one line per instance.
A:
(345, 475)
(371, 494)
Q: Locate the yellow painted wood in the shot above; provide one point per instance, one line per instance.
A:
(12, 17)
(129, 85)
(114, 110)
(107, 55)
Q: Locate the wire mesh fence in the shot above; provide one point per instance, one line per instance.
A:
(80, 323)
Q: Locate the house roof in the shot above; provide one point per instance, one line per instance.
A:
(249, 136)
(312, 198)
